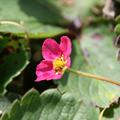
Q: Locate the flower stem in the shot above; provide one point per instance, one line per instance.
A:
(79, 73)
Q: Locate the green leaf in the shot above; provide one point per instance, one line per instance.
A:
(44, 18)
(117, 29)
(117, 19)
(13, 59)
(75, 8)
(118, 0)
(51, 105)
(99, 54)
(98, 42)
(4, 104)
(6, 101)
(41, 18)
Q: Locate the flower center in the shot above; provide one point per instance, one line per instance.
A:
(59, 65)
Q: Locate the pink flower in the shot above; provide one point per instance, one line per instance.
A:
(56, 59)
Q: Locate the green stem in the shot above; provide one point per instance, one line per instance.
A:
(83, 74)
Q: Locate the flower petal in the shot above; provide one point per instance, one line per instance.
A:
(51, 49)
(54, 75)
(43, 70)
(68, 64)
(65, 46)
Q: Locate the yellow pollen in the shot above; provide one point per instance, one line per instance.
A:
(59, 65)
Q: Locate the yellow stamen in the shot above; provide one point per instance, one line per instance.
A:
(59, 65)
